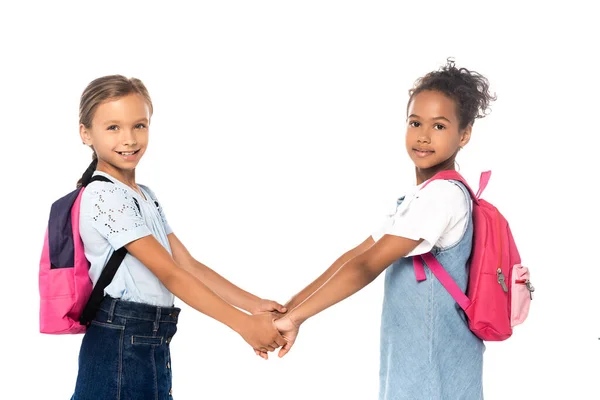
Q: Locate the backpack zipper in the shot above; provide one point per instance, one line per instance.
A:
(501, 279)
(528, 284)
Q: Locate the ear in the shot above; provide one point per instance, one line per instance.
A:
(86, 138)
(465, 136)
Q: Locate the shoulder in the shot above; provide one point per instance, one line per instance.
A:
(146, 189)
(106, 197)
(442, 191)
(444, 195)
(105, 191)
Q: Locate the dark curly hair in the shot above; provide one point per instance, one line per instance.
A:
(469, 89)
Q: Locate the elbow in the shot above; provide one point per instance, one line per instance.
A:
(366, 272)
(169, 279)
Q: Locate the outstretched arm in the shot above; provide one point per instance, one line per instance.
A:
(218, 284)
(354, 275)
(257, 330)
(317, 283)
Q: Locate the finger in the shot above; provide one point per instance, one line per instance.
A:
(277, 338)
(280, 340)
(271, 348)
(262, 355)
(285, 349)
(277, 315)
(279, 307)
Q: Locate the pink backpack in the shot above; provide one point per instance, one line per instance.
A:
(499, 291)
(67, 301)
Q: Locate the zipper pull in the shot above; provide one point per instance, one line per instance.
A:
(501, 280)
(530, 288)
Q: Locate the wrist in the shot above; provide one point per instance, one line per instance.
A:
(292, 303)
(252, 303)
(295, 318)
(238, 321)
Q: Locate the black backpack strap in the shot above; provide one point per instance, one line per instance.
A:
(107, 275)
(100, 178)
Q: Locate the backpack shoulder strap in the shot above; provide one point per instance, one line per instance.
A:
(429, 259)
(107, 275)
(442, 275)
(456, 176)
(100, 178)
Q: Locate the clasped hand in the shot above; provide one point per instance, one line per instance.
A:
(270, 329)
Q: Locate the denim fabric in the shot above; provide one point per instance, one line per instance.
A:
(125, 353)
(427, 349)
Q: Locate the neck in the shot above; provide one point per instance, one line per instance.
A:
(125, 176)
(424, 174)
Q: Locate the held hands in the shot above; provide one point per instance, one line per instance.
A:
(263, 305)
(270, 329)
(260, 333)
(274, 310)
(289, 331)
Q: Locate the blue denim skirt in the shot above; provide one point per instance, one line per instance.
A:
(125, 353)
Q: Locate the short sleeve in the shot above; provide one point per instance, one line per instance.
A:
(386, 222)
(429, 214)
(161, 211)
(115, 214)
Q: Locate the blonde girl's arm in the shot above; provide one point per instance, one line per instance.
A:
(218, 284)
(257, 330)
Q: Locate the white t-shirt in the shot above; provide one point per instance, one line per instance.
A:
(437, 214)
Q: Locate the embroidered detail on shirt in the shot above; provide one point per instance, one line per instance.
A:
(110, 216)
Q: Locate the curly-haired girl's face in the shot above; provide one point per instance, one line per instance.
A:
(433, 136)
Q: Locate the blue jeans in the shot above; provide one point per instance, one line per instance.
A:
(125, 353)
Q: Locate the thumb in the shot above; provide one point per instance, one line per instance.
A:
(285, 349)
(279, 307)
(271, 305)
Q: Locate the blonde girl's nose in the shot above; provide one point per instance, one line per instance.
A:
(129, 137)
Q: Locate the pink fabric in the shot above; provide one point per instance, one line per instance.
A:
(446, 281)
(520, 296)
(64, 291)
(487, 305)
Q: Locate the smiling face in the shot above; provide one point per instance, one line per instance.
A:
(119, 133)
(433, 137)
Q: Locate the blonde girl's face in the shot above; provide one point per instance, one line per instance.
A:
(119, 132)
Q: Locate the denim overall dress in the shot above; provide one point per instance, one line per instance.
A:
(427, 349)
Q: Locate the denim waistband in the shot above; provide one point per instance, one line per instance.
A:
(130, 309)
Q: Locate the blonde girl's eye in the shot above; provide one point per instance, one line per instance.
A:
(140, 126)
(112, 128)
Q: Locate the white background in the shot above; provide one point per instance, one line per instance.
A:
(277, 144)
